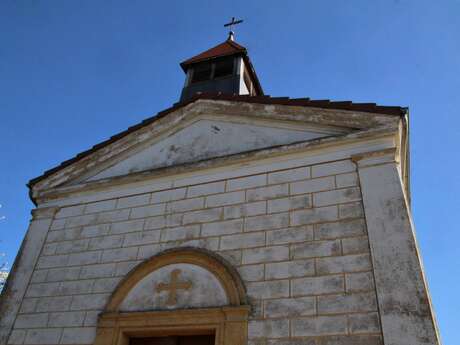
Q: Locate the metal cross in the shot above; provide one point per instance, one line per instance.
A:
(173, 286)
(233, 23)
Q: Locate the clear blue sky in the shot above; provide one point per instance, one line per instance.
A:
(72, 73)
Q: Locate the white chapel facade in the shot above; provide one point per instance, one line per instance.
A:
(230, 218)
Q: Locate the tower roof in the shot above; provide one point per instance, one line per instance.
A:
(226, 48)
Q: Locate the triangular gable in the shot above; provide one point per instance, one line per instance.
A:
(291, 119)
(208, 137)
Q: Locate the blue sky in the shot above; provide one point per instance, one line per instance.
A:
(73, 73)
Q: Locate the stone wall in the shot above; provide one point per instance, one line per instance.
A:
(297, 237)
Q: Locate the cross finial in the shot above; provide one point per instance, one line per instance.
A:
(231, 25)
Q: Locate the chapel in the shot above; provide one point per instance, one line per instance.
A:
(230, 218)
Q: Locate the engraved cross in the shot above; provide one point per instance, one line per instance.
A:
(173, 286)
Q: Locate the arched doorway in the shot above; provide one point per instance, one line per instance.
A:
(184, 296)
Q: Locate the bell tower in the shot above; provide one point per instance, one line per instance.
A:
(225, 68)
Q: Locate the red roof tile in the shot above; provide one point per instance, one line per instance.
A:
(228, 47)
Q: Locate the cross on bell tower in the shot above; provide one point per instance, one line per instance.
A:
(231, 24)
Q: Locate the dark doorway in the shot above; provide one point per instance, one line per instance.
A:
(176, 340)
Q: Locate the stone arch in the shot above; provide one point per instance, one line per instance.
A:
(224, 272)
(227, 322)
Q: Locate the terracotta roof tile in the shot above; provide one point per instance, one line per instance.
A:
(225, 48)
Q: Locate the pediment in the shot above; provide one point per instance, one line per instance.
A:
(202, 131)
(210, 137)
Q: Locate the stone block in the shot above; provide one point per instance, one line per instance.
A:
(75, 287)
(337, 196)
(225, 199)
(363, 281)
(52, 261)
(317, 285)
(349, 303)
(58, 224)
(290, 307)
(343, 264)
(185, 205)
(42, 289)
(333, 168)
(72, 246)
(242, 241)
(247, 182)
(268, 328)
(89, 302)
(180, 233)
(133, 201)
(290, 235)
(267, 222)
(368, 339)
(47, 304)
(17, 337)
(222, 228)
(142, 237)
(157, 222)
(148, 251)
(50, 249)
(123, 268)
(66, 319)
(209, 215)
(351, 210)
(364, 323)
(314, 215)
(95, 230)
(119, 254)
(270, 192)
(97, 271)
(252, 273)
(344, 228)
(106, 242)
(63, 274)
(84, 258)
(245, 210)
(346, 180)
(268, 289)
(206, 189)
(290, 269)
(78, 335)
(91, 318)
(316, 249)
(311, 186)
(319, 325)
(113, 216)
(39, 276)
(100, 206)
(31, 320)
(291, 341)
(290, 203)
(233, 257)
(105, 285)
(289, 175)
(125, 227)
(168, 195)
(70, 211)
(355, 245)
(148, 211)
(45, 336)
(74, 222)
(28, 305)
(266, 254)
